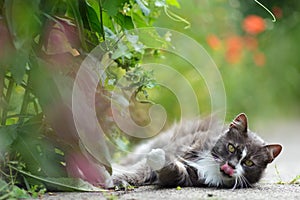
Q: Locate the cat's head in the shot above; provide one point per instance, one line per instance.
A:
(242, 155)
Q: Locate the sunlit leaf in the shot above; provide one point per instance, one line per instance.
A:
(173, 3)
(160, 3)
(90, 18)
(93, 19)
(95, 4)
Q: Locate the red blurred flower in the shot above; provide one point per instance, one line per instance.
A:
(61, 38)
(259, 59)
(213, 41)
(277, 12)
(234, 47)
(254, 24)
(250, 42)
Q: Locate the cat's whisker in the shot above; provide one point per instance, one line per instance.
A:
(246, 181)
(242, 181)
(235, 183)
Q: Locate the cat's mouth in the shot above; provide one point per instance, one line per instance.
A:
(227, 170)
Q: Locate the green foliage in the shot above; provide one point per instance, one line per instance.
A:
(12, 191)
(58, 184)
(10, 181)
(43, 43)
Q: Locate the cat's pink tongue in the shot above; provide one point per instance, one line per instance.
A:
(227, 169)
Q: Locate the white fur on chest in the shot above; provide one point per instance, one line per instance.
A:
(209, 171)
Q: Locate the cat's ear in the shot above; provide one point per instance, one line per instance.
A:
(274, 150)
(240, 122)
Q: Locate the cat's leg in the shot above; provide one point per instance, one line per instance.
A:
(136, 175)
(170, 172)
(174, 174)
(156, 159)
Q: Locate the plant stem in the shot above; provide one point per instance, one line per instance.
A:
(7, 99)
(78, 19)
(2, 75)
(101, 20)
(25, 100)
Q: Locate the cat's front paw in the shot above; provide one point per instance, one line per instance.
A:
(156, 159)
(120, 184)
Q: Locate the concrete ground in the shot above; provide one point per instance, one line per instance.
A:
(284, 169)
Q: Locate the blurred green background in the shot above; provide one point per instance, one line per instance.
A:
(260, 69)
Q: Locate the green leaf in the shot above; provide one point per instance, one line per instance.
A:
(7, 136)
(112, 7)
(3, 185)
(18, 66)
(35, 152)
(63, 184)
(90, 18)
(107, 22)
(53, 7)
(43, 85)
(124, 21)
(71, 184)
(95, 4)
(23, 21)
(19, 193)
(138, 18)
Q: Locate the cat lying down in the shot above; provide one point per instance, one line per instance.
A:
(199, 153)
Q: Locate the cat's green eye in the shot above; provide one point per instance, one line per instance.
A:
(249, 163)
(231, 148)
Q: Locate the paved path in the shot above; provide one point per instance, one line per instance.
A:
(262, 191)
(288, 166)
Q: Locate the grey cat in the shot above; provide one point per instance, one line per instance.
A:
(200, 153)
